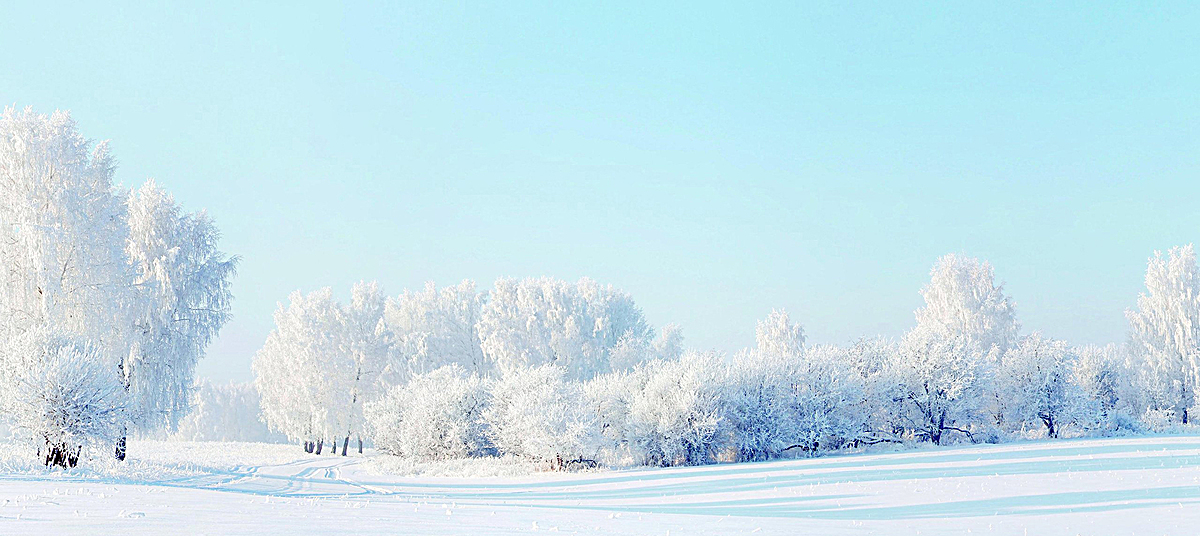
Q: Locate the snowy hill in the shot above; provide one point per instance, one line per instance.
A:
(1145, 485)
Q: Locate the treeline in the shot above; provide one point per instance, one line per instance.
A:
(571, 374)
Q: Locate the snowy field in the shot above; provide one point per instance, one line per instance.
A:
(1146, 485)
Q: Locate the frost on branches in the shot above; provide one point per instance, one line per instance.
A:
(1166, 332)
(134, 285)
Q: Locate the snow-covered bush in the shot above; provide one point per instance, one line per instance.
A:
(1104, 374)
(434, 416)
(66, 397)
(537, 413)
(780, 396)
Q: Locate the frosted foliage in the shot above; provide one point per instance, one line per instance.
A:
(225, 412)
(531, 322)
(436, 415)
(777, 335)
(537, 413)
(62, 238)
(434, 328)
(962, 298)
(1165, 331)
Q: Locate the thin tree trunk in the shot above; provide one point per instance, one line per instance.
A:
(320, 445)
(121, 448)
(360, 445)
(345, 445)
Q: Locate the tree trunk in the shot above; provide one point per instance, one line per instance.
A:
(320, 445)
(120, 449)
(345, 445)
(1185, 419)
(360, 445)
(308, 447)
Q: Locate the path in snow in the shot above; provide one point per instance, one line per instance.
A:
(1120, 486)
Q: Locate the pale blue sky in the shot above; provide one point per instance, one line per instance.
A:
(715, 162)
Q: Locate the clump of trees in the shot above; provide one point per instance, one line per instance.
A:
(571, 374)
(108, 297)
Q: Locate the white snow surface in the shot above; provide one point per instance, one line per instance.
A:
(1142, 485)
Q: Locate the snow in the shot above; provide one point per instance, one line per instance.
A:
(1143, 485)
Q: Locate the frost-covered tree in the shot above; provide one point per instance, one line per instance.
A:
(295, 370)
(1165, 331)
(186, 282)
(539, 414)
(321, 364)
(575, 326)
(938, 379)
(1104, 374)
(777, 335)
(368, 349)
(434, 416)
(434, 328)
(128, 277)
(1037, 382)
(963, 299)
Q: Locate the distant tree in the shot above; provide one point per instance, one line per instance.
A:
(1104, 374)
(1165, 331)
(531, 322)
(296, 369)
(777, 335)
(225, 412)
(963, 299)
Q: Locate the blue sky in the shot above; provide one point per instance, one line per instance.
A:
(715, 162)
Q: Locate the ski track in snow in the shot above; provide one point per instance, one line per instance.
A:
(1141, 485)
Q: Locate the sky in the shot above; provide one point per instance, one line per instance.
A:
(714, 161)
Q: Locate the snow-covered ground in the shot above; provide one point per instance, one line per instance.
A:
(1146, 485)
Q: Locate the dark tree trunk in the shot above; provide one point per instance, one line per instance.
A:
(308, 447)
(62, 455)
(320, 445)
(121, 449)
(1185, 416)
(345, 445)
(360, 445)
